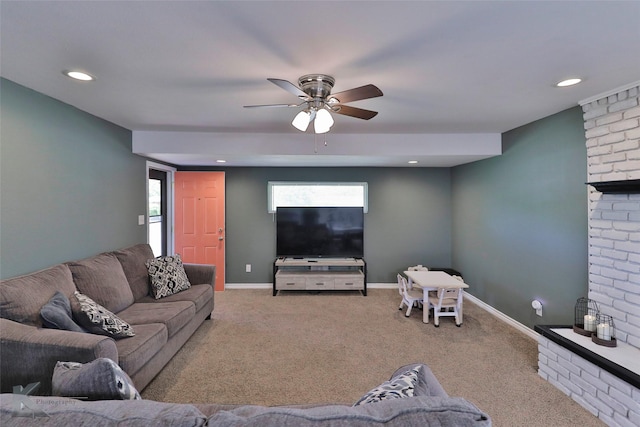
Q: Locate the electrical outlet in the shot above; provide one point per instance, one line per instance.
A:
(247, 268)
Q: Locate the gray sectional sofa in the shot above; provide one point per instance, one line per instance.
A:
(429, 405)
(119, 282)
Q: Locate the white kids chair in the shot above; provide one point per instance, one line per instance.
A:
(409, 296)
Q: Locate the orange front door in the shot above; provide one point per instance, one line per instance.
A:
(199, 220)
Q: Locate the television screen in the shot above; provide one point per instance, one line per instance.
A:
(320, 232)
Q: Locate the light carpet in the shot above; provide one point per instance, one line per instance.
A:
(333, 347)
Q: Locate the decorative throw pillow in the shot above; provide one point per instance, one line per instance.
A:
(167, 276)
(98, 320)
(56, 314)
(101, 379)
(400, 386)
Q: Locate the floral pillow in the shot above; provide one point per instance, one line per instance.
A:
(98, 320)
(400, 386)
(167, 276)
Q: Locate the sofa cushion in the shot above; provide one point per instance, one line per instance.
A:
(427, 384)
(135, 352)
(198, 294)
(400, 386)
(174, 315)
(413, 411)
(98, 320)
(102, 279)
(167, 276)
(63, 411)
(56, 314)
(22, 297)
(101, 379)
(133, 261)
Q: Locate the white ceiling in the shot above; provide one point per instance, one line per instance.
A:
(181, 71)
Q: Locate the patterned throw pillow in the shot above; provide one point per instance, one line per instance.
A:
(98, 320)
(401, 386)
(167, 276)
(101, 379)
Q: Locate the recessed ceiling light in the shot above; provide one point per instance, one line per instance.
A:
(569, 82)
(221, 161)
(78, 75)
(412, 162)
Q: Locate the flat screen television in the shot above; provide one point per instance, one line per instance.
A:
(316, 232)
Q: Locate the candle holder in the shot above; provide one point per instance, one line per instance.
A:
(605, 331)
(586, 312)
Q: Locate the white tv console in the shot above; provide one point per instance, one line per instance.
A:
(316, 274)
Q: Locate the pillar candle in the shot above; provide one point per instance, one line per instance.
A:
(604, 331)
(589, 323)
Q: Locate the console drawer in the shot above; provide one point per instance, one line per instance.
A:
(286, 281)
(320, 282)
(350, 281)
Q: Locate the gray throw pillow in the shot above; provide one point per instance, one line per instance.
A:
(98, 320)
(56, 314)
(101, 379)
(397, 387)
(167, 276)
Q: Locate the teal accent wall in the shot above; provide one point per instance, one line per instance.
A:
(70, 186)
(520, 221)
(514, 225)
(408, 222)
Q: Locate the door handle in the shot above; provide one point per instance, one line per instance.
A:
(220, 238)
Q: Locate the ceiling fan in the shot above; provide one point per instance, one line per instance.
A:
(314, 90)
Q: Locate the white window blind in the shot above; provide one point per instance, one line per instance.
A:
(291, 193)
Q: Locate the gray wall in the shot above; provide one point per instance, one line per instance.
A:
(409, 219)
(70, 186)
(520, 221)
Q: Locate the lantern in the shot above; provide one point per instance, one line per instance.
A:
(605, 331)
(586, 312)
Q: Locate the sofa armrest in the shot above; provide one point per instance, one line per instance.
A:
(28, 354)
(427, 385)
(201, 274)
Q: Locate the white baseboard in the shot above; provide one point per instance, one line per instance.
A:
(382, 286)
(248, 286)
(270, 286)
(500, 315)
(514, 323)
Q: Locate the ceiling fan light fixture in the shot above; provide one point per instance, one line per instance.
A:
(314, 90)
(301, 121)
(323, 121)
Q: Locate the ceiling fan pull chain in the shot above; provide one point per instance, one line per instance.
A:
(315, 143)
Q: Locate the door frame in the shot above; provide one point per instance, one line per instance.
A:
(170, 171)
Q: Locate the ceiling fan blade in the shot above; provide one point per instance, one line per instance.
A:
(289, 87)
(358, 113)
(273, 105)
(356, 94)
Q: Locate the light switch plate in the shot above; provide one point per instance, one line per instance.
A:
(140, 219)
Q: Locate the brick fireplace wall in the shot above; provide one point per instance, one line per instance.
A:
(612, 130)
